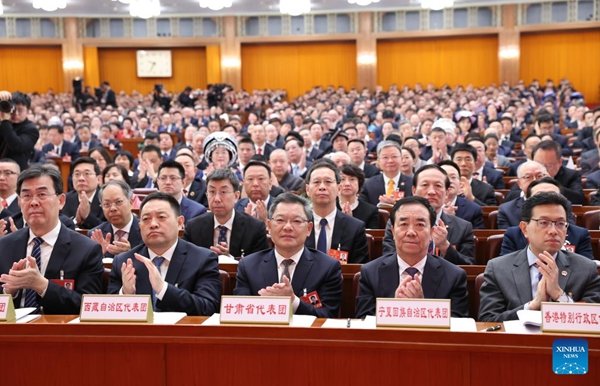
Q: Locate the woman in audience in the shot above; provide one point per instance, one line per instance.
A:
(352, 181)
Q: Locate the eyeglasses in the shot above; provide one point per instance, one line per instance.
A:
(532, 177)
(169, 178)
(390, 158)
(560, 225)
(296, 222)
(324, 182)
(7, 173)
(41, 196)
(84, 174)
(117, 203)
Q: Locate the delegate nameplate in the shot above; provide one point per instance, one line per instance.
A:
(419, 313)
(571, 317)
(7, 309)
(256, 309)
(116, 308)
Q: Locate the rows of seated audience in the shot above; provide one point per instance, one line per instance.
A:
(400, 181)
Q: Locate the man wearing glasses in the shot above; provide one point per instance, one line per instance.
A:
(45, 265)
(170, 181)
(82, 204)
(310, 278)
(9, 205)
(542, 272)
(121, 230)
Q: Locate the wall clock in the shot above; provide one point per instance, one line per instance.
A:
(154, 63)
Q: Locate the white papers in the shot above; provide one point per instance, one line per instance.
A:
(24, 316)
(517, 327)
(107, 260)
(226, 259)
(167, 318)
(530, 317)
(297, 321)
(463, 325)
(363, 324)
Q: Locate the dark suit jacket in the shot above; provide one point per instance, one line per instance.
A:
(371, 170)
(596, 198)
(571, 185)
(483, 192)
(66, 148)
(240, 206)
(191, 209)
(509, 213)
(291, 183)
(315, 272)
(470, 212)
(193, 279)
(507, 283)
(198, 192)
(247, 236)
(593, 180)
(77, 256)
(493, 176)
(375, 187)
(441, 280)
(134, 237)
(589, 161)
(349, 235)
(96, 216)
(367, 213)
(514, 240)
(460, 236)
(512, 169)
(92, 144)
(17, 141)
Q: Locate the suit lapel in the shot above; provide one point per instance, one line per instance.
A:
(142, 282)
(301, 272)
(338, 230)
(177, 262)
(389, 277)
(521, 277)
(268, 269)
(207, 235)
(564, 271)
(310, 241)
(237, 233)
(62, 248)
(134, 233)
(432, 277)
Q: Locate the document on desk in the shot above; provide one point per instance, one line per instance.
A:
(23, 315)
(463, 325)
(530, 317)
(297, 321)
(162, 318)
(518, 327)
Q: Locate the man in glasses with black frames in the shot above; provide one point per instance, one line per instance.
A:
(542, 272)
(310, 278)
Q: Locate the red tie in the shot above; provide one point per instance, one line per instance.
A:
(259, 151)
(4, 204)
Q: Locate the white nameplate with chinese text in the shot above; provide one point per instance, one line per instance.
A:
(116, 308)
(419, 313)
(7, 309)
(256, 309)
(571, 317)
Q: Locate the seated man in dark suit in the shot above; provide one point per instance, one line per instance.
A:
(452, 237)
(358, 153)
(590, 159)
(596, 198)
(391, 184)
(292, 269)
(511, 282)
(121, 230)
(410, 271)
(509, 213)
(455, 203)
(58, 147)
(474, 190)
(280, 165)
(529, 144)
(577, 240)
(257, 186)
(548, 153)
(38, 256)
(333, 229)
(170, 181)
(223, 230)
(593, 180)
(484, 170)
(9, 172)
(194, 186)
(180, 276)
(352, 181)
(84, 140)
(82, 204)
(544, 125)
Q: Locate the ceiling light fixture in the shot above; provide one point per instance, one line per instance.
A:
(1, 8)
(144, 9)
(123, 1)
(436, 5)
(49, 5)
(294, 7)
(215, 5)
(363, 3)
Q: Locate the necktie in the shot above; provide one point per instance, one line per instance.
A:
(286, 269)
(322, 241)
(120, 235)
(222, 234)
(259, 151)
(57, 150)
(411, 271)
(391, 187)
(36, 253)
(157, 261)
(4, 204)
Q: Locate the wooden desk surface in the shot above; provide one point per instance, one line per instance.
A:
(188, 354)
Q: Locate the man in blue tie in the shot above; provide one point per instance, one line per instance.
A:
(412, 272)
(180, 276)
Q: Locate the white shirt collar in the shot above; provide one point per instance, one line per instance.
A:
(330, 218)
(228, 224)
(50, 237)
(168, 255)
(296, 256)
(126, 228)
(420, 265)
(10, 199)
(386, 179)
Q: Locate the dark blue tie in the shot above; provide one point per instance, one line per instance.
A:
(412, 271)
(158, 260)
(322, 241)
(222, 234)
(36, 253)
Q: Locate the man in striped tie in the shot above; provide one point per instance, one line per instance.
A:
(47, 266)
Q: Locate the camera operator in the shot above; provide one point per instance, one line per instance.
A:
(160, 97)
(187, 98)
(18, 135)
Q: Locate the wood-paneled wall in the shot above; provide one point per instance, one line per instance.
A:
(451, 60)
(118, 66)
(297, 67)
(31, 68)
(574, 55)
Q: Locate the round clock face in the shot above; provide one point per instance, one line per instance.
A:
(154, 63)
